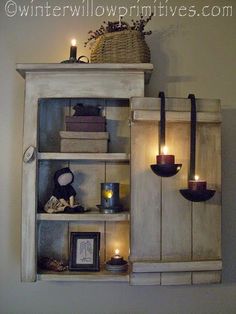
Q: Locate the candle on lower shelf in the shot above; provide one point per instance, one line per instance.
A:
(196, 184)
(117, 259)
(164, 158)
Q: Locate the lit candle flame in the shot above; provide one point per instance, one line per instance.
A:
(107, 194)
(73, 42)
(117, 252)
(165, 150)
(196, 177)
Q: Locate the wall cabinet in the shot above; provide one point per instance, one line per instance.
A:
(50, 92)
(167, 239)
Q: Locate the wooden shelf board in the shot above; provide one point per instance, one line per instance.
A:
(102, 276)
(85, 156)
(90, 216)
(142, 267)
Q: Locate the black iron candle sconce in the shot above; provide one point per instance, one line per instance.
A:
(73, 55)
(197, 189)
(165, 164)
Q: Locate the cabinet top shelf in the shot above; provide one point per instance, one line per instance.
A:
(116, 157)
(24, 68)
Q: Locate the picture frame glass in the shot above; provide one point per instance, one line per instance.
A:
(84, 251)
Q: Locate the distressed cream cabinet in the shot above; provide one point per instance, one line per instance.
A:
(51, 90)
(167, 239)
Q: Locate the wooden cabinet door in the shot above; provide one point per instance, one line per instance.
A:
(174, 241)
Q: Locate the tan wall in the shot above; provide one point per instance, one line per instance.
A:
(190, 55)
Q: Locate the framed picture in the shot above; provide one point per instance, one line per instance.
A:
(84, 251)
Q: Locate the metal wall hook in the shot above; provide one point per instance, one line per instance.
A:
(190, 194)
(166, 169)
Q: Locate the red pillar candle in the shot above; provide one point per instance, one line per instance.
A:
(73, 50)
(164, 158)
(197, 185)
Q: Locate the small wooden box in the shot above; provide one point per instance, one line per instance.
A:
(84, 142)
(86, 124)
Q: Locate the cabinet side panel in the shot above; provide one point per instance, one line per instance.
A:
(176, 211)
(145, 193)
(207, 216)
(29, 187)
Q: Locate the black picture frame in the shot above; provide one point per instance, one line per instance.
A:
(84, 251)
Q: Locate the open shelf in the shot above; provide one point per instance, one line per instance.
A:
(85, 156)
(102, 276)
(90, 216)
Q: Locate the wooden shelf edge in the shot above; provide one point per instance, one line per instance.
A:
(102, 276)
(85, 156)
(90, 216)
(142, 267)
(146, 68)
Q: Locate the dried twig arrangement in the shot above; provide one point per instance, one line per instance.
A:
(111, 27)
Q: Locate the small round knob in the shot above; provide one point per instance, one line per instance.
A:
(29, 154)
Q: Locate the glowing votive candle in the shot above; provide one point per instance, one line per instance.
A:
(117, 259)
(196, 184)
(164, 158)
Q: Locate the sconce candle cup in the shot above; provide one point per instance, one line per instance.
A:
(165, 164)
(164, 158)
(197, 185)
(197, 191)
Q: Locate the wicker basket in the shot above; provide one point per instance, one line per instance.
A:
(127, 46)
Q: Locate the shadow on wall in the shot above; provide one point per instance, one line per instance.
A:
(229, 195)
(158, 43)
